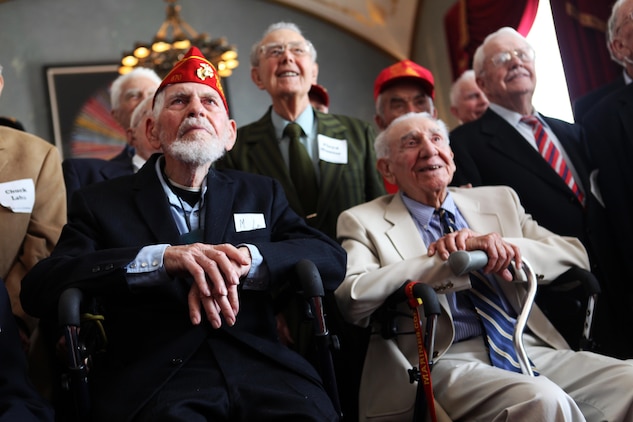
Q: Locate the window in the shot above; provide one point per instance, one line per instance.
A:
(551, 97)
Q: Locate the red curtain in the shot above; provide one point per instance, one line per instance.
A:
(468, 22)
(581, 30)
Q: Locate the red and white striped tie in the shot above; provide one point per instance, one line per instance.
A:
(552, 155)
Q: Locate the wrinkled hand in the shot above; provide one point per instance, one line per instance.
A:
(216, 271)
(500, 253)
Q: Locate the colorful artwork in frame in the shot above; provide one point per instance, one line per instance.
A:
(80, 109)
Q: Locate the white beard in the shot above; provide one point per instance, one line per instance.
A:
(197, 148)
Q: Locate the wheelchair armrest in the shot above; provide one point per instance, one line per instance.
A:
(421, 291)
(311, 288)
(69, 307)
(309, 278)
(570, 278)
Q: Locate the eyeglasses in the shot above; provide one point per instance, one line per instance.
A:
(525, 55)
(275, 50)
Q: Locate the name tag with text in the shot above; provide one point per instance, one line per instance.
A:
(332, 150)
(248, 222)
(18, 195)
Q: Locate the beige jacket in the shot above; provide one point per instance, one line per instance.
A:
(26, 238)
(384, 250)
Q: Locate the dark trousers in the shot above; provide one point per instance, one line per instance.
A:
(224, 381)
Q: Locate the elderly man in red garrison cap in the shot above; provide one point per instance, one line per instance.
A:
(185, 258)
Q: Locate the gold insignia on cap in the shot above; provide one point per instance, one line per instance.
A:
(204, 71)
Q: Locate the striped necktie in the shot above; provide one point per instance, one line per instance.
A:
(497, 324)
(552, 155)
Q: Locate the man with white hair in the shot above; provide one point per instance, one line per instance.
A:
(126, 93)
(196, 252)
(332, 167)
(408, 236)
(137, 135)
(468, 102)
(609, 126)
(541, 158)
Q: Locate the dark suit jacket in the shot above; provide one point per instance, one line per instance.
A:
(18, 399)
(341, 186)
(80, 172)
(150, 334)
(609, 128)
(585, 103)
(489, 151)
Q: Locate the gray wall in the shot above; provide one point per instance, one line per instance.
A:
(37, 33)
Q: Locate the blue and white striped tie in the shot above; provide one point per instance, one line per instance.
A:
(497, 324)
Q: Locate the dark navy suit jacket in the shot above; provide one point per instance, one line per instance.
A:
(588, 101)
(609, 128)
(489, 151)
(80, 172)
(150, 332)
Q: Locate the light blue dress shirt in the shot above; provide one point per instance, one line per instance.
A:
(147, 267)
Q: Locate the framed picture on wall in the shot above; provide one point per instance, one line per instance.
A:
(79, 96)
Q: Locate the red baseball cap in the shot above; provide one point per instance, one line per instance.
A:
(194, 67)
(319, 92)
(401, 71)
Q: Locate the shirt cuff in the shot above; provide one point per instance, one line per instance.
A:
(258, 277)
(147, 267)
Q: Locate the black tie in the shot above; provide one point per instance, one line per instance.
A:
(301, 170)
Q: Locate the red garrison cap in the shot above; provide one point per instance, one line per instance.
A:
(193, 67)
(404, 70)
(319, 92)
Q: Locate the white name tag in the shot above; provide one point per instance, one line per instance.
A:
(332, 150)
(18, 195)
(248, 222)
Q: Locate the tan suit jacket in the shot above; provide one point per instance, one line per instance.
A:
(26, 238)
(384, 250)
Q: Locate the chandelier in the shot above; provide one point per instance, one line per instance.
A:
(171, 42)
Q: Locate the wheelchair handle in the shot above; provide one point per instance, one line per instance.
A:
(309, 279)
(462, 262)
(69, 307)
(428, 297)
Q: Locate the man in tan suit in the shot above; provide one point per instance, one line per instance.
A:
(399, 237)
(32, 209)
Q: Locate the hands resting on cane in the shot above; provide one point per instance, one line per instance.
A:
(500, 253)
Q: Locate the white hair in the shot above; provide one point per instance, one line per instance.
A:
(276, 27)
(479, 57)
(467, 76)
(117, 85)
(613, 24)
(142, 109)
(381, 144)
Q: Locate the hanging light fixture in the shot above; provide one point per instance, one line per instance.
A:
(171, 42)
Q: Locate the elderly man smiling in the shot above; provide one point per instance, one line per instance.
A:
(408, 236)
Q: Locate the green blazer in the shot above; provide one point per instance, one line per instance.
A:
(341, 186)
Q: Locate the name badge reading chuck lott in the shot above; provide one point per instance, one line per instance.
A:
(18, 195)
